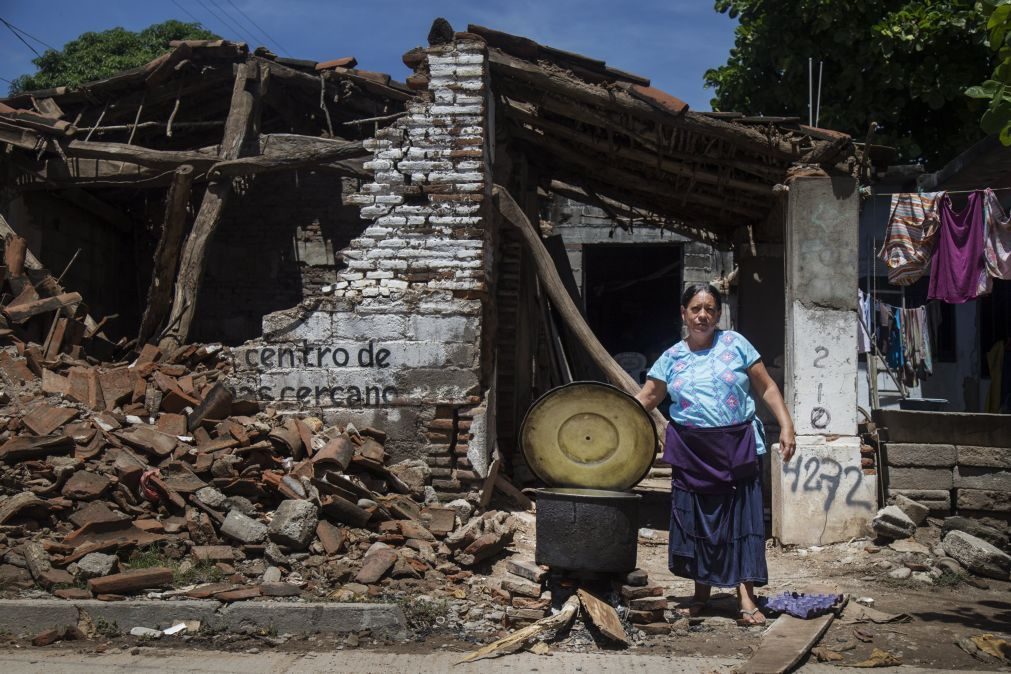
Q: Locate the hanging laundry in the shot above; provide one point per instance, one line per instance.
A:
(894, 353)
(863, 337)
(958, 256)
(913, 223)
(997, 246)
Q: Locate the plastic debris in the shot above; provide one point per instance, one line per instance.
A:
(801, 605)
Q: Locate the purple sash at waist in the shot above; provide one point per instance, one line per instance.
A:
(710, 460)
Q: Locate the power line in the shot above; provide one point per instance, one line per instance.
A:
(235, 23)
(227, 22)
(13, 27)
(192, 16)
(257, 26)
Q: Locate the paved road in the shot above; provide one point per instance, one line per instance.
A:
(49, 661)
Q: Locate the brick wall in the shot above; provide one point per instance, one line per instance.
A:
(398, 340)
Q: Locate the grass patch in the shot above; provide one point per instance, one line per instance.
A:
(422, 614)
(106, 628)
(197, 571)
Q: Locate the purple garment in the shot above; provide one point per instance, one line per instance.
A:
(958, 257)
(710, 460)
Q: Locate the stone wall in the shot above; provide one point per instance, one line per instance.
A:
(398, 341)
(952, 463)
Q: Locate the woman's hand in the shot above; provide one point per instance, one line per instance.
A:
(787, 443)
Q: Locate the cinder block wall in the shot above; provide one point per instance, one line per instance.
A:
(953, 463)
(399, 341)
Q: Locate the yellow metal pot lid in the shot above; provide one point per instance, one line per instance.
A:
(590, 435)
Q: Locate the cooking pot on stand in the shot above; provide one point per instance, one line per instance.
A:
(591, 443)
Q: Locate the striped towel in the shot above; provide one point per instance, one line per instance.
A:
(909, 239)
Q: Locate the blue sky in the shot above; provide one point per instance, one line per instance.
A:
(672, 42)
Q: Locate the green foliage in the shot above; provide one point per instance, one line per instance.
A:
(901, 63)
(93, 56)
(997, 118)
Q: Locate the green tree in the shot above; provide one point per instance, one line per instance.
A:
(997, 89)
(901, 63)
(93, 56)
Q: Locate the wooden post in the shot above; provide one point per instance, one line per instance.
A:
(239, 126)
(159, 294)
(560, 298)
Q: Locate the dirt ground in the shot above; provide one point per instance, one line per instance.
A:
(940, 614)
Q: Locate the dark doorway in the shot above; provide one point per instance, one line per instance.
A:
(631, 294)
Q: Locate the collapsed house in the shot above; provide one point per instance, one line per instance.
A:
(404, 292)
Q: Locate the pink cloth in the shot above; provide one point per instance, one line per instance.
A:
(957, 265)
(997, 247)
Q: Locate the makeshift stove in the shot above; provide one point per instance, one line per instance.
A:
(591, 443)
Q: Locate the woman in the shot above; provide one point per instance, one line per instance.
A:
(717, 530)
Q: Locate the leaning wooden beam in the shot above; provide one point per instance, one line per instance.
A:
(238, 127)
(19, 313)
(521, 638)
(560, 298)
(166, 255)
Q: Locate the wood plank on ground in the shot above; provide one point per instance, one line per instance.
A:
(786, 643)
(604, 617)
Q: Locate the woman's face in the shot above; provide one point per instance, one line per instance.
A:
(701, 315)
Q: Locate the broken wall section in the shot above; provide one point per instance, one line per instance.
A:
(398, 341)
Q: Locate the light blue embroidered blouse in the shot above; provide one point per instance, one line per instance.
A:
(711, 387)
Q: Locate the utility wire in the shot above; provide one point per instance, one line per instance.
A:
(257, 26)
(13, 27)
(18, 36)
(253, 40)
(209, 6)
(192, 15)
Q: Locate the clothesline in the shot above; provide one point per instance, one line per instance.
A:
(992, 189)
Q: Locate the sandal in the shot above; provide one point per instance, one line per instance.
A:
(748, 619)
(695, 609)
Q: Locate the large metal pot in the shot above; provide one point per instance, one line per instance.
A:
(587, 529)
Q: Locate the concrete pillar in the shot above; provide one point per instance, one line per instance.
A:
(822, 496)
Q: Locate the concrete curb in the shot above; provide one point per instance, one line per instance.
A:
(26, 617)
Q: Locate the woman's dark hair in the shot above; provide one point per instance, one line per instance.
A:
(696, 288)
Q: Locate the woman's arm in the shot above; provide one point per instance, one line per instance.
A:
(651, 394)
(767, 390)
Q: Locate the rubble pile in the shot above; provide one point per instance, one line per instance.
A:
(127, 476)
(962, 547)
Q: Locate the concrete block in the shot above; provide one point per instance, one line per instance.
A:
(914, 510)
(971, 477)
(920, 456)
(892, 522)
(985, 500)
(938, 500)
(443, 329)
(985, 457)
(977, 555)
(920, 478)
(822, 496)
(294, 523)
(243, 529)
(974, 528)
(981, 430)
(301, 618)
